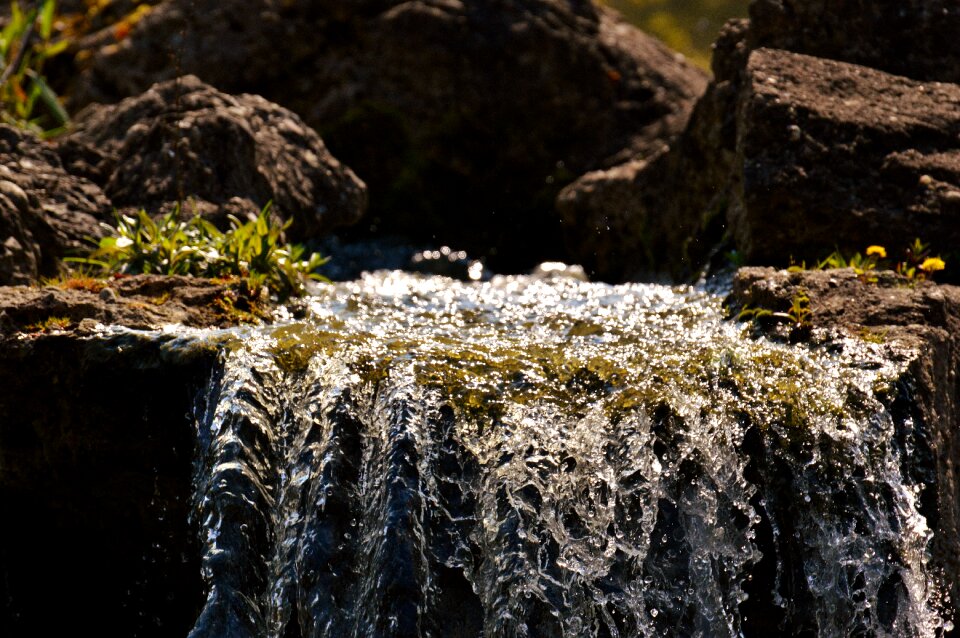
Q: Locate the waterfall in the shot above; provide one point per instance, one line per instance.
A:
(539, 456)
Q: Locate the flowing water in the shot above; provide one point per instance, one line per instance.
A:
(539, 456)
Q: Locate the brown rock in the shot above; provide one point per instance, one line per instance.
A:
(45, 213)
(608, 230)
(917, 323)
(185, 141)
(668, 209)
(832, 155)
(464, 117)
(143, 302)
(691, 187)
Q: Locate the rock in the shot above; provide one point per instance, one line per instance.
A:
(185, 141)
(464, 117)
(143, 302)
(915, 38)
(607, 230)
(918, 324)
(657, 218)
(45, 213)
(692, 185)
(96, 463)
(832, 155)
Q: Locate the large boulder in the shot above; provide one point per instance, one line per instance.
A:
(679, 203)
(184, 141)
(464, 117)
(667, 212)
(45, 213)
(833, 155)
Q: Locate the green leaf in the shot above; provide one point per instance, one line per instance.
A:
(52, 49)
(49, 98)
(46, 18)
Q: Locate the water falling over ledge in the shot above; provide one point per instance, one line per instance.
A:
(547, 457)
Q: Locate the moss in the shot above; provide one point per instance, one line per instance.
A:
(481, 380)
(486, 358)
(873, 335)
(160, 299)
(79, 282)
(50, 324)
(236, 309)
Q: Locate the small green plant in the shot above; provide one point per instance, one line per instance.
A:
(253, 251)
(26, 43)
(50, 324)
(917, 264)
(862, 264)
(798, 314)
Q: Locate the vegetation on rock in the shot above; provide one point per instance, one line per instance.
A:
(252, 250)
(917, 263)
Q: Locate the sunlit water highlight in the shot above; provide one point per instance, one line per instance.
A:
(548, 457)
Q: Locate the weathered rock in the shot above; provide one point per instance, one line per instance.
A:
(45, 213)
(185, 141)
(465, 118)
(144, 302)
(607, 230)
(657, 218)
(838, 155)
(918, 323)
(692, 185)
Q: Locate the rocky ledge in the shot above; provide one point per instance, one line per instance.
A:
(917, 323)
(143, 302)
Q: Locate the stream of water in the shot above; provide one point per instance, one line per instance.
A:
(540, 456)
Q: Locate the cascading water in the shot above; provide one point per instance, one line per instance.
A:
(547, 457)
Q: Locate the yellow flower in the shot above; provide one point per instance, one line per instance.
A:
(879, 251)
(931, 264)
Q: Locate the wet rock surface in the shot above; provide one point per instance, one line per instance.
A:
(95, 477)
(918, 318)
(45, 212)
(184, 141)
(464, 118)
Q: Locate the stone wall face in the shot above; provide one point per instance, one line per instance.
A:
(96, 453)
